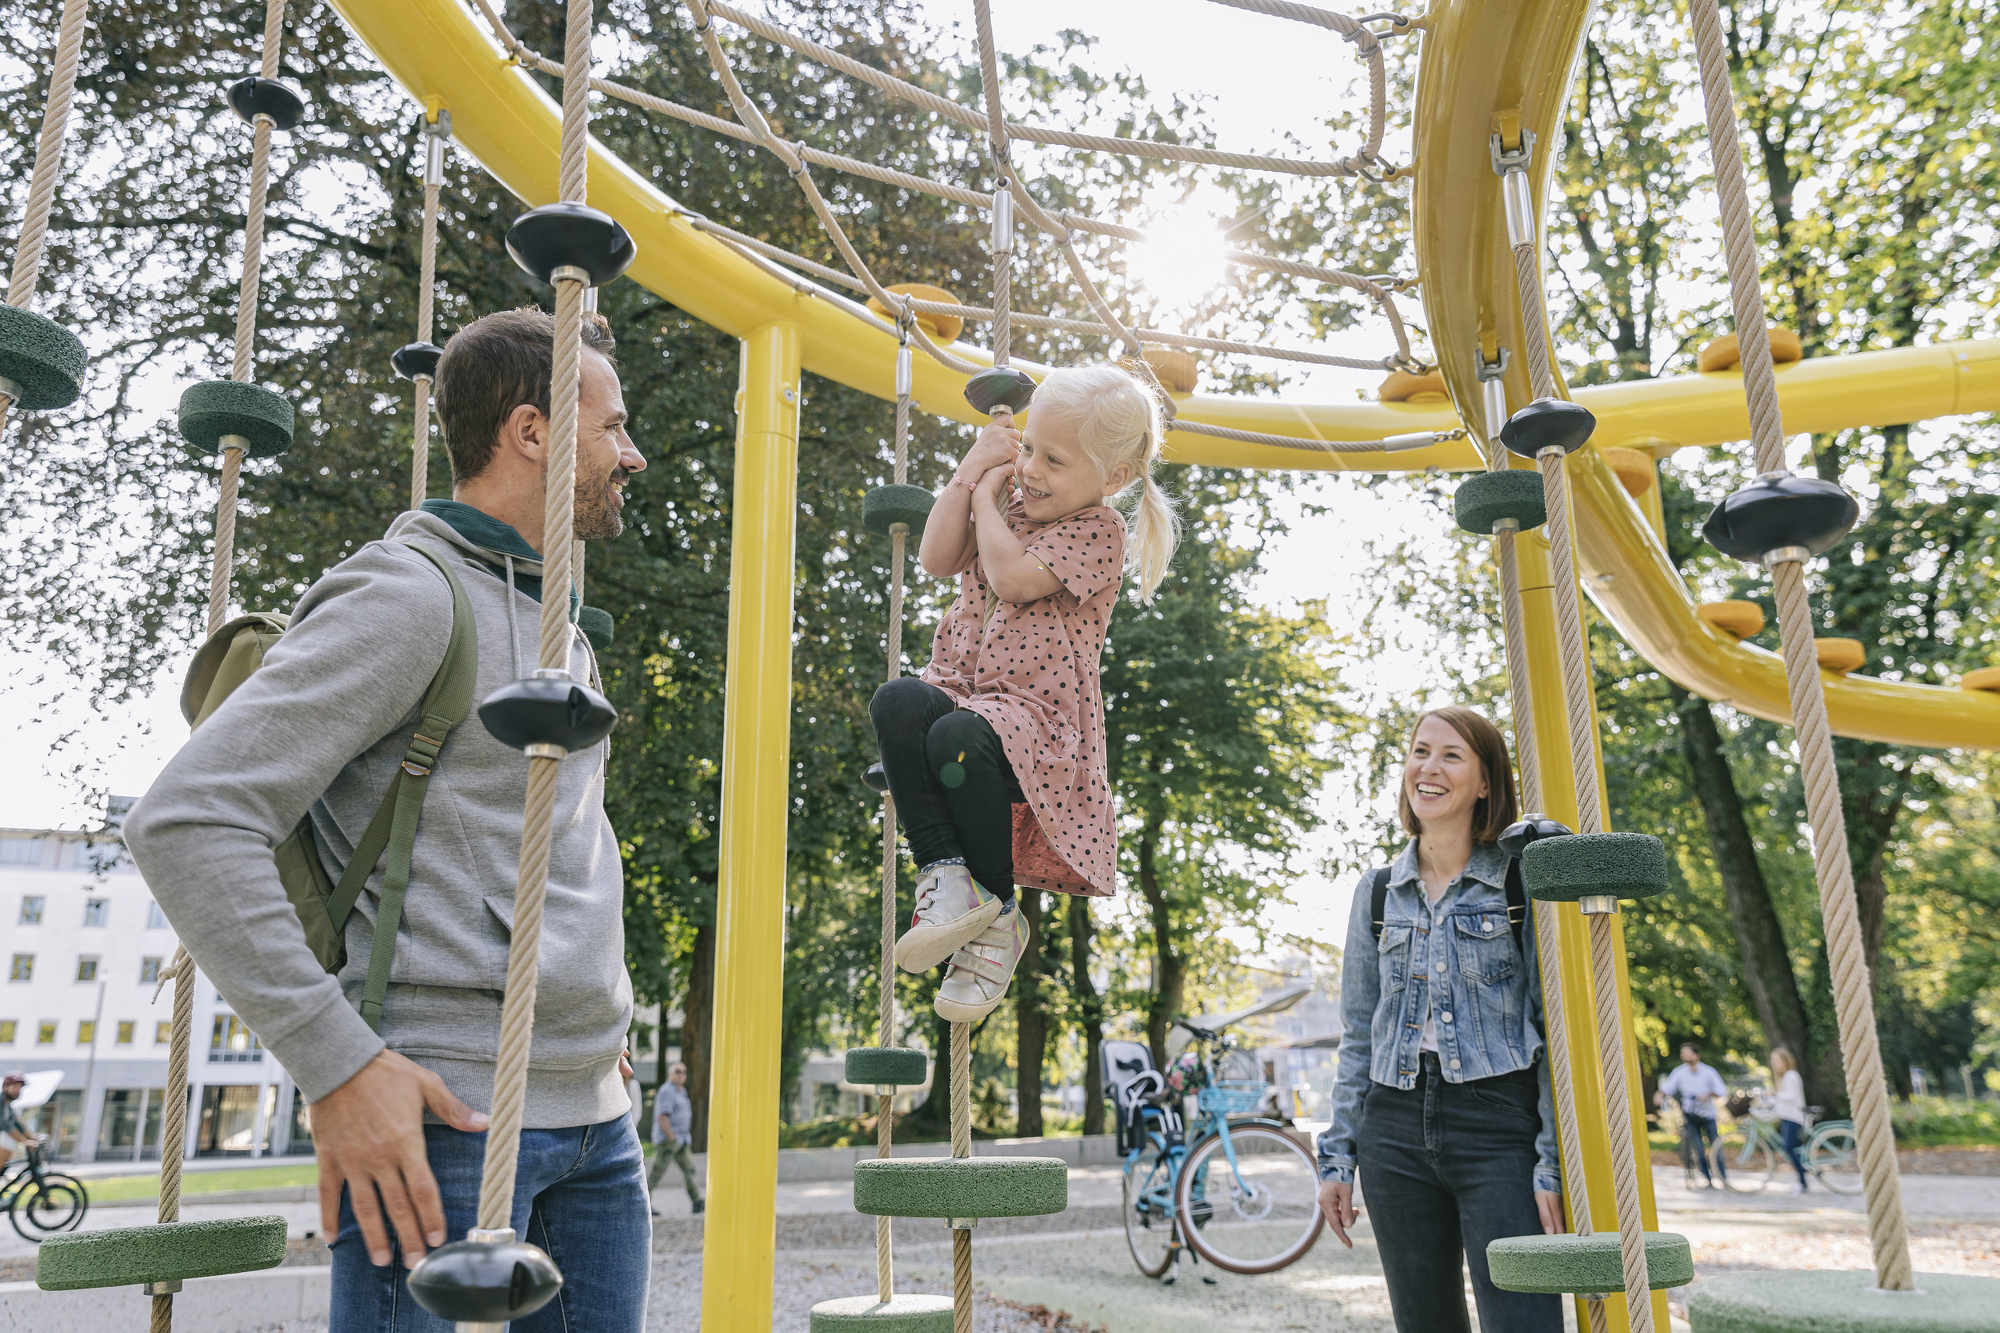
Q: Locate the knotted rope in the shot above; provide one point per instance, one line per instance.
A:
(173, 1117)
(517, 1010)
(1854, 1002)
(961, 1146)
(420, 445)
(1579, 710)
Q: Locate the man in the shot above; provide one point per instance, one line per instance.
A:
(14, 1134)
(673, 1124)
(1698, 1087)
(398, 1118)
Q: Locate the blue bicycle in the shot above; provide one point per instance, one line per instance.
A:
(1241, 1190)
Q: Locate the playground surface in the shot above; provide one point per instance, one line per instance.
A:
(1032, 1268)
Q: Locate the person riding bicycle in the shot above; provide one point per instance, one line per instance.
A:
(1698, 1088)
(1442, 1100)
(14, 1134)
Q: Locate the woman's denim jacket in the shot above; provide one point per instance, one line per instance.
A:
(1491, 990)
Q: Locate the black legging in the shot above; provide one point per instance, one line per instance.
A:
(954, 788)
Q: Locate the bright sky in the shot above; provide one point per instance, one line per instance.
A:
(1262, 77)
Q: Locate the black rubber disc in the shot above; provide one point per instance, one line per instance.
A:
(414, 359)
(1547, 423)
(254, 97)
(41, 356)
(1484, 498)
(1585, 865)
(1781, 509)
(573, 235)
(1000, 386)
(215, 408)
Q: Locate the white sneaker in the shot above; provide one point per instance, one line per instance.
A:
(951, 909)
(980, 972)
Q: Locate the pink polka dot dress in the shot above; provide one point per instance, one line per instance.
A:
(1031, 672)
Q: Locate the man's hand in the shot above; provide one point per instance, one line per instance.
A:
(1336, 1200)
(368, 1134)
(1550, 1205)
(625, 1064)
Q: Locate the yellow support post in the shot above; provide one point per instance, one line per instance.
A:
(737, 1258)
(1559, 800)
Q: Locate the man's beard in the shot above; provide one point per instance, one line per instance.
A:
(596, 519)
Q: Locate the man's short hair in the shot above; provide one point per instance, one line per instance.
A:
(1692, 1046)
(677, 1065)
(494, 365)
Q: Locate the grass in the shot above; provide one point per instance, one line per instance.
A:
(109, 1188)
(1938, 1122)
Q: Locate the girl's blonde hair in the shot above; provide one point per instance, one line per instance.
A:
(1782, 1053)
(1117, 421)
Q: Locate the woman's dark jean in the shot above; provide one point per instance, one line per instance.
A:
(954, 789)
(1445, 1168)
(1793, 1132)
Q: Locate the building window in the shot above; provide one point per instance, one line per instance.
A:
(6, 1032)
(155, 918)
(45, 1032)
(86, 968)
(162, 1033)
(20, 851)
(86, 1033)
(232, 1041)
(23, 968)
(31, 909)
(125, 1030)
(149, 971)
(95, 910)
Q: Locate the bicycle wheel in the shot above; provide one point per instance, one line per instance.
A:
(1746, 1159)
(1832, 1155)
(1257, 1217)
(54, 1206)
(1149, 1216)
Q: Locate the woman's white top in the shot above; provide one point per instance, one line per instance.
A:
(1791, 1103)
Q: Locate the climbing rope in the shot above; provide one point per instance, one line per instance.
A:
(435, 134)
(1854, 1004)
(1579, 711)
(517, 1010)
(961, 1146)
(29, 248)
(173, 1117)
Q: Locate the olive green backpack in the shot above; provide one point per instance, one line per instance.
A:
(230, 656)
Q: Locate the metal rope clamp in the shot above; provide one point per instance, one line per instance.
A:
(1516, 195)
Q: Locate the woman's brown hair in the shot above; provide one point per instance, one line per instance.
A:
(1494, 811)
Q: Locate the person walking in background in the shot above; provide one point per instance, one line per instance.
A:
(1442, 1101)
(1791, 1109)
(1700, 1090)
(673, 1126)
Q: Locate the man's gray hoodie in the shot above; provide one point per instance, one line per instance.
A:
(320, 728)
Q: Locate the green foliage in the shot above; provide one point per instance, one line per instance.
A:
(1938, 1122)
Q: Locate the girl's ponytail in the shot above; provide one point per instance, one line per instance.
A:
(1156, 530)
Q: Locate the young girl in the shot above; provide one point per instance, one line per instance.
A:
(995, 755)
(1442, 1097)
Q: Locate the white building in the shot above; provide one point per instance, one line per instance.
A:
(83, 942)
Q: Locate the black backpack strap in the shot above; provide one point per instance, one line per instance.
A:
(1517, 903)
(1378, 900)
(394, 827)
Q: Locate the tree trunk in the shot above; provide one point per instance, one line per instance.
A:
(1169, 968)
(1092, 1006)
(930, 1121)
(698, 1018)
(1760, 936)
(1031, 1021)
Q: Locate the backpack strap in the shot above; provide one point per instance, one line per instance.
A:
(394, 827)
(1378, 900)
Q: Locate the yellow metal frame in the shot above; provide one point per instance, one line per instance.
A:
(1485, 66)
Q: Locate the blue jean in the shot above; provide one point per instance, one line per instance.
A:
(580, 1195)
(1697, 1133)
(1792, 1132)
(1445, 1168)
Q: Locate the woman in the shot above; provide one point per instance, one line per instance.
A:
(1791, 1109)
(1442, 1100)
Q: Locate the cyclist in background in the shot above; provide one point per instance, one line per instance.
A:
(1699, 1089)
(14, 1135)
(1791, 1109)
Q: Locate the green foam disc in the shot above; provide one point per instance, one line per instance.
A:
(865, 1314)
(215, 408)
(170, 1252)
(45, 359)
(595, 622)
(1842, 1302)
(1584, 865)
(1484, 498)
(1560, 1265)
(887, 505)
(877, 1065)
(961, 1186)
